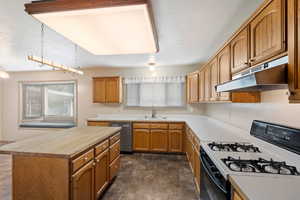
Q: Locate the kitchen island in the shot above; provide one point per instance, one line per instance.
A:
(77, 163)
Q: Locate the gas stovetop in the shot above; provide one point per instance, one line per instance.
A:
(234, 147)
(260, 165)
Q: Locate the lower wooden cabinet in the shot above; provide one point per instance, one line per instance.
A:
(159, 140)
(101, 173)
(175, 141)
(83, 183)
(236, 196)
(141, 139)
(197, 168)
(114, 168)
(158, 137)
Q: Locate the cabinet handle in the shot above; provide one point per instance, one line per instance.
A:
(94, 164)
(252, 60)
(86, 158)
(97, 160)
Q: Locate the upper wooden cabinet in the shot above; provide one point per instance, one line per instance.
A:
(240, 51)
(214, 80)
(224, 74)
(201, 86)
(207, 83)
(293, 50)
(192, 87)
(107, 90)
(268, 32)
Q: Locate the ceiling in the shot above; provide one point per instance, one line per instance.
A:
(189, 32)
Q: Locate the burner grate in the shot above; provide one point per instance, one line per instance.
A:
(233, 147)
(260, 166)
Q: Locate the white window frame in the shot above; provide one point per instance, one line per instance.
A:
(166, 90)
(47, 119)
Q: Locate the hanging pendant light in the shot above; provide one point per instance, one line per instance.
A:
(42, 61)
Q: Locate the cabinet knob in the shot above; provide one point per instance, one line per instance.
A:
(94, 164)
(85, 158)
(252, 60)
(97, 160)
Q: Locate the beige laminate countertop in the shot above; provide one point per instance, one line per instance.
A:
(65, 143)
(267, 188)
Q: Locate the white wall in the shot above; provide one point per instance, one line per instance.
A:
(86, 108)
(1, 113)
(273, 108)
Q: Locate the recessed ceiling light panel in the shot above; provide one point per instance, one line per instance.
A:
(122, 29)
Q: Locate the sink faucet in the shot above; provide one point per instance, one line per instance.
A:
(153, 114)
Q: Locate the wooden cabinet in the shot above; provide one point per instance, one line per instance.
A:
(240, 51)
(293, 50)
(201, 86)
(197, 168)
(207, 83)
(107, 90)
(83, 183)
(98, 123)
(214, 80)
(224, 73)
(192, 87)
(175, 140)
(101, 173)
(268, 32)
(236, 196)
(141, 139)
(159, 140)
(158, 137)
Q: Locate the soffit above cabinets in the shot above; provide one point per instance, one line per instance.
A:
(101, 27)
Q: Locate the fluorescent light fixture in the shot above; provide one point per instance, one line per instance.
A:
(107, 30)
(4, 74)
(54, 65)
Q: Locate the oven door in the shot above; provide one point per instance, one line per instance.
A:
(213, 185)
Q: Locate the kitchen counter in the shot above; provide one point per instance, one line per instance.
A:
(207, 129)
(265, 188)
(65, 143)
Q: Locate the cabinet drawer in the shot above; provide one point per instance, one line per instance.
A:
(101, 147)
(82, 160)
(93, 123)
(114, 139)
(176, 126)
(159, 126)
(114, 168)
(141, 125)
(114, 151)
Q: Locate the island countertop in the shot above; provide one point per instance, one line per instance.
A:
(65, 143)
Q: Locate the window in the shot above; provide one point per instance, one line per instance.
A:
(48, 104)
(156, 92)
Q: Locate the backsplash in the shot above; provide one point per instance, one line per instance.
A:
(274, 107)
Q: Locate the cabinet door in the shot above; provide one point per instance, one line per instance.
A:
(268, 32)
(141, 139)
(99, 90)
(193, 88)
(224, 71)
(112, 90)
(101, 173)
(240, 51)
(214, 79)
(207, 90)
(159, 140)
(175, 140)
(294, 53)
(197, 168)
(201, 86)
(114, 168)
(83, 183)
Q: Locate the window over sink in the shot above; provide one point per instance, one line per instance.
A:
(48, 104)
(155, 91)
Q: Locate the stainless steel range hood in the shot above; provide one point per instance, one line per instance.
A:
(269, 78)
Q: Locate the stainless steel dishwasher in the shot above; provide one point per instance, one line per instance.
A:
(126, 136)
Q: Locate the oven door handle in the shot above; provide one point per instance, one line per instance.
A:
(211, 176)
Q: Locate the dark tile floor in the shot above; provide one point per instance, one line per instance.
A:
(153, 177)
(142, 177)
